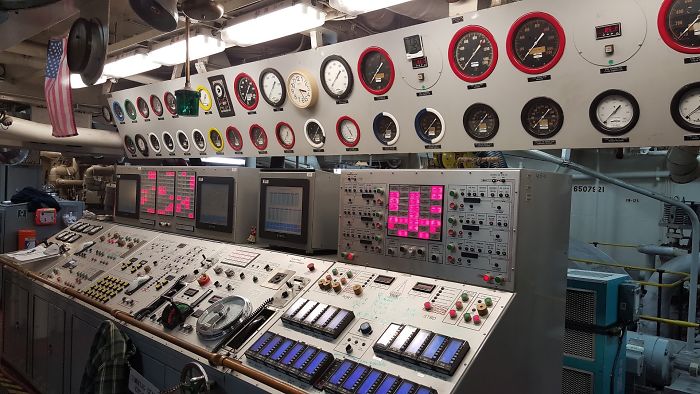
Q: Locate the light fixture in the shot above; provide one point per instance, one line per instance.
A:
(76, 81)
(132, 64)
(356, 7)
(280, 21)
(173, 52)
(229, 161)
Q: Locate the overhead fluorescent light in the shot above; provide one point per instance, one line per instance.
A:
(280, 22)
(173, 52)
(132, 64)
(224, 160)
(76, 82)
(356, 7)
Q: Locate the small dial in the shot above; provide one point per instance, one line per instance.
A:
(246, 91)
(480, 122)
(205, 101)
(302, 89)
(118, 112)
(376, 70)
(535, 43)
(154, 142)
(216, 139)
(130, 145)
(168, 142)
(348, 131)
(183, 141)
(199, 142)
(430, 126)
(614, 112)
(679, 25)
(336, 77)
(233, 137)
(157, 105)
(258, 136)
(143, 107)
(473, 53)
(542, 117)
(285, 135)
(130, 109)
(273, 88)
(314, 133)
(685, 107)
(141, 145)
(170, 103)
(386, 128)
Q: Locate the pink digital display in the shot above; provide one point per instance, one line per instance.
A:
(148, 192)
(415, 211)
(185, 194)
(165, 193)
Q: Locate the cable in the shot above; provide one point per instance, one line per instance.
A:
(617, 355)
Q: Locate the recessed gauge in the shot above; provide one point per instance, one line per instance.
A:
(205, 100)
(480, 122)
(285, 135)
(222, 316)
(258, 136)
(348, 131)
(303, 90)
(246, 91)
(168, 142)
(376, 70)
(473, 53)
(535, 43)
(430, 126)
(118, 112)
(183, 141)
(157, 105)
(143, 107)
(199, 142)
(614, 112)
(233, 136)
(679, 25)
(314, 133)
(274, 91)
(685, 107)
(336, 77)
(141, 145)
(130, 109)
(216, 139)
(542, 117)
(154, 142)
(170, 103)
(386, 128)
(129, 144)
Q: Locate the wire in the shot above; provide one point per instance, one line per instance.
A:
(617, 355)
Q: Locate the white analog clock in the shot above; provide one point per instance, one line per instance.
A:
(303, 91)
(273, 88)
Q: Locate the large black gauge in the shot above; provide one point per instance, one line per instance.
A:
(258, 137)
(386, 128)
(336, 77)
(154, 141)
(246, 91)
(542, 117)
(141, 145)
(183, 141)
(199, 141)
(480, 122)
(430, 126)
(535, 43)
(274, 90)
(168, 142)
(473, 53)
(679, 25)
(614, 112)
(234, 139)
(314, 133)
(157, 105)
(129, 144)
(376, 70)
(685, 107)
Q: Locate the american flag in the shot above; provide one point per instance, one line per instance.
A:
(59, 98)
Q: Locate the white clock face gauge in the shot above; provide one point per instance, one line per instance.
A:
(285, 134)
(272, 87)
(689, 107)
(349, 132)
(615, 112)
(205, 98)
(336, 77)
(301, 90)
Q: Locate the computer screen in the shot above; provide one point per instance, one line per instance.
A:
(415, 211)
(214, 203)
(284, 209)
(127, 204)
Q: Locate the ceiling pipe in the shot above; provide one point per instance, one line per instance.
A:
(22, 60)
(40, 133)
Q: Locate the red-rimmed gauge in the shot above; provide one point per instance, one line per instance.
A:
(170, 103)
(348, 131)
(535, 43)
(157, 105)
(142, 105)
(285, 135)
(258, 137)
(234, 139)
(246, 91)
(679, 25)
(376, 70)
(473, 53)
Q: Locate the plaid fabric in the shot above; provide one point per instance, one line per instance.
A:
(107, 370)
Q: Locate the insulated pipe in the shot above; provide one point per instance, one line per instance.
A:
(682, 162)
(658, 250)
(69, 182)
(40, 133)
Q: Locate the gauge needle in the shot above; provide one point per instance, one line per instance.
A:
(471, 57)
(336, 78)
(348, 130)
(479, 124)
(378, 68)
(540, 119)
(613, 113)
(697, 18)
(273, 86)
(431, 124)
(694, 111)
(247, 91)
(533, 45)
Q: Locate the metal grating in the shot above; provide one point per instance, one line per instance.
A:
(576, 382)
(580, 308)
(675, 217)
(579, 344)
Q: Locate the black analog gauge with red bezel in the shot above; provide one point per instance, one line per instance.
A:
(535, 43)
(480, 122)
(233, 137)
(473, 53)
(336, 77)
(376, 70)
(542, 117)
(157, 105)
(246, 91)
(258, 137)
(170, 103)
(130, 145)
(285, 135)
(348, 131)
(273, 88)
(144, 110)
(679, 25)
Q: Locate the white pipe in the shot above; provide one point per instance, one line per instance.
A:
(40, 133)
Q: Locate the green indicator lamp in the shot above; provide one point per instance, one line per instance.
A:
(187, 99)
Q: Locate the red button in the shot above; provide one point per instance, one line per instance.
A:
(203, 280)
(311, 266)
(428, 306)
(459, 305)
(487, 278)
(476, 319)
(453, 314)
(350, 256)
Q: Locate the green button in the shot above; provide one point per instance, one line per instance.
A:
(450, 247)
(467, 317)
(488, 301)
(348, 274)
(343, 254)
(465, 297)
(453, 193)
(335, 270)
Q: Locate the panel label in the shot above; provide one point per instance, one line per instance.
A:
(691, 60)
(611, 70)
(433, 147)
(616, 140)
(476, 86)
(483, 145)
(388, 148)
(540, 78)
(381, 98)
(340, 102)
(544, 142)
(691, 138)
(426, 93)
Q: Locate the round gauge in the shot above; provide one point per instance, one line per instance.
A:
(258, 136)
(542, 117)
(614, 112)
(144, 110)
(302, 89)
(314, 133)
(141, 145)
(129, 144)
(222, 316)
(216, 139)
(480, 122)
(246, 91)
(233, 136)
(157, 105)
(170, 103)
(199, 142)
(130, 109)
(348, 131)
(376, 70)
(430, 126)
(183, 141)
(336, 77)
(205, 100)
(168, 142)
(386, 128)
(535, 43)
(473, 53)
(285, 135)
(273, 88)
(679, 25)
(118, 112)
(154, 142)
(685, 107)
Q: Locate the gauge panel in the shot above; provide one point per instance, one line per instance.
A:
(685, 107)
(473, 53)
(535, 43)
(216, 140)
(314, 133)
(156, 105)
(142, 105)
(234, 139)
(285, 135)
(430, 126)
(273, 88)
(376, 70)
(183, 141)
(679, 25)
(481, 122)
(336, 77)
(170, 103)
(246, 91)
(542, 117)
(386, 129)
(614, 112)
(348, 131)
(258, 137)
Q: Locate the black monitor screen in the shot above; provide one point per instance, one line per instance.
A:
(214, 203)
(127, 203)
(284, 209)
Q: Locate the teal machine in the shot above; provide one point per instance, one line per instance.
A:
(599, 308)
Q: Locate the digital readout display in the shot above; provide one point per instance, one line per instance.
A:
(415, 211)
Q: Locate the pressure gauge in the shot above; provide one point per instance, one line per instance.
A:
(205, 101)
(430, 126)
(143, 107)
(614, 112)
(233, 137)
(314, 133)
(168, 142)
(118, 112)
(216, 140)
(535, 43)
(685, 107)
(480, 122)
(199, 142)
(679, 25)
(336, 77)
(273, 88)
(130, 109)
(129, 144)
(157, 105)
(246, 91)
(258, 137)
(141, 145)
(154, 142)
(473, 53)
(222, 317)
(386, 128)
(285, 135)
(170, 103)
(183, 141)
(376, 70)
(542, 117)
(348, 131)
(303, 90)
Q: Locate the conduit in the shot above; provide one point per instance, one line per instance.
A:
(40, 133)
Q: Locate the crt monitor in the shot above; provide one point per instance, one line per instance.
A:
(127, 201)
(284, 209)
(215, 197)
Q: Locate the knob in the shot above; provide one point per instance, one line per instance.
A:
(285, 294)
(311, 266)
(365, 328)
(267, 268)
(427, 306)
(289, 284)
(459, 305)
(255, 279)
(336, 286)
(453, 314)
(467, 317)
(335, 271)
(217, 284)
(349, 274)
(452, 220)
(350, 256)
(218, 270)
(348, 349)
(343, 281)
(230, 272)
(241, 275)
(357, 289)
(482, 309)
(203, 280)
(488, 301)
(451, 247)
(476, 319)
